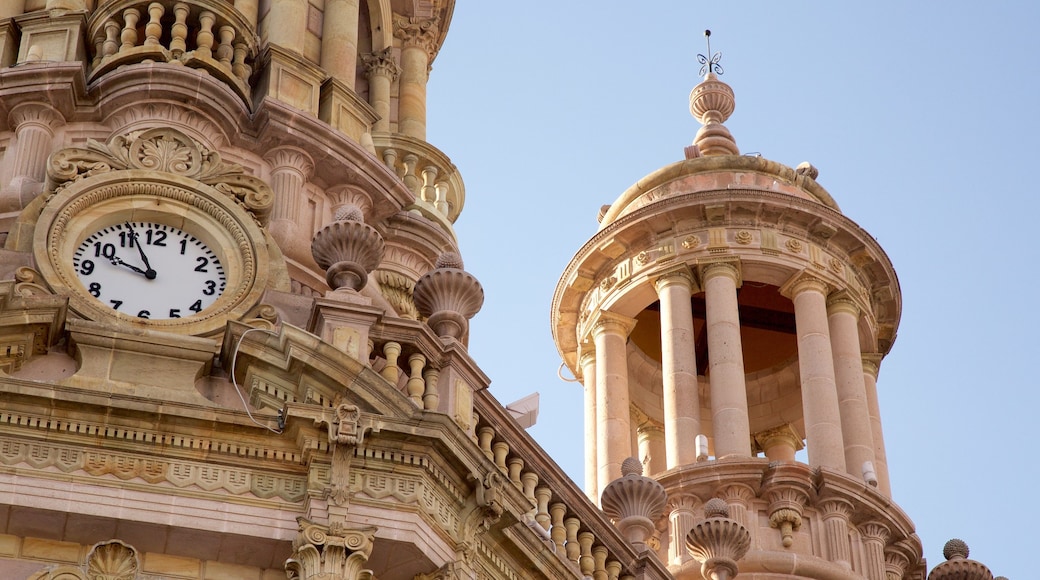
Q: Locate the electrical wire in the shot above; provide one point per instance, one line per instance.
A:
(234, 359)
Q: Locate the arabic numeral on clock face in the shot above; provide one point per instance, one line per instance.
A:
(155, 237)
(95, 289)
(211, 288)
(203, 262)
(144, 314)
(86, 267)
(196, 307)
(105, 250)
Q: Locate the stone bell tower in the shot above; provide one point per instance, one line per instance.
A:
(725, 316)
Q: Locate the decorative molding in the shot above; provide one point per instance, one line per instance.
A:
(381, 62)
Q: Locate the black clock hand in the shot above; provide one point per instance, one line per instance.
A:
(118, 262)
(149, 272)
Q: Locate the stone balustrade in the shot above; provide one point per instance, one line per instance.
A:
(427, 172)
(204, 34)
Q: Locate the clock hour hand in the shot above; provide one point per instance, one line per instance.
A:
(149, 272)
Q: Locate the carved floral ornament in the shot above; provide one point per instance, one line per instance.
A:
(166, 150)
(111, 560)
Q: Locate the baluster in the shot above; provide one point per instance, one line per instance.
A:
(528, 481)
(204, 39)
(541, 515)
(111, 44)
(431, 398)
(238, 65)
(179, 30)
(415, 385)
(613, 570)
(558, 533)
(516, 465)
(153, 30)
(391, 372)
(428, 193)
(599, 558)
(484, 436)
(129, 34)
(99, 50)
(411, 181)
(473, 428)
(501, 449)
(442, 198)
(390, 160)
(224, 50)
(587, 563)
(572, 524)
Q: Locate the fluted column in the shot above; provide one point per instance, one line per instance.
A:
(34, 126)
(339, 40)
(816, 366)
(418, 45)
(875, 536)
(681, 519)
(382, 72)
(729, 407)
(836, 514)
(287, 24)
(682, 406)
(290, 170)
(843, 318)
(249, 9)
(588, 377)
(871, 366)
(613, 412)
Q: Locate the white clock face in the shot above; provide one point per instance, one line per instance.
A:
(149, 270)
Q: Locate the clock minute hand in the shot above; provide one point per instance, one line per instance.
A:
(149, 272)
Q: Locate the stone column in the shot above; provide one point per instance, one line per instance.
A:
(843, 318)
(287, 24)
(729, 407)
(290, 170)
(816, 366)
(34, 126)
(835, 513)
(681, 520)
(613, 412)
(780, 443)
(682, 406)
(249, 9)
(339, 40)
(417, 48)
(871, 366)
(11, 8)
(588, 376)
(875, 536)
(651, 445)
(382, 72)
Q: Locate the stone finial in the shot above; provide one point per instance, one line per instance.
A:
(347, 249)
(807, 169)
(448, 296)
(634, 502)
(957, 565)
(711, 103)
(717, 542)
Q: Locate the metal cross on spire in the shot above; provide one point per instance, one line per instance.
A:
(710, 63)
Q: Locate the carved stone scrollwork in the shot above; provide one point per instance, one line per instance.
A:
(381, 63)
(166, 150)
(485, 506)
(333, 552)
(421, 32)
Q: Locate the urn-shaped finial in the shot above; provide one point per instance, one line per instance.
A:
(634, 502)
(347, 249)
(717, 542)
(448, 296)
(957, 565)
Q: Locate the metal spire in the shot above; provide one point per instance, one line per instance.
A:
(711, 65)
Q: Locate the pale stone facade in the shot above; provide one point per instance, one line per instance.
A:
(234, 326)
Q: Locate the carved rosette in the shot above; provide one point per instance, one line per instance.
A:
(112, 560)
(347, 249)
(634, 502)
(711, 103)
(717, 542)
(957, 565)
(448, 297)
(167, 150)
(332, 552)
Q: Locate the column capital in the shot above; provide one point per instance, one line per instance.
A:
(872, 363)
(290, 158)
(417, 32)
(804, 281)
(876, 531)
(724, 266)
(832, 507)
(586, 355)
(842, 301)
(605, 321)
(38, 114)
(679, 275)
(782, 434)
(381, 63)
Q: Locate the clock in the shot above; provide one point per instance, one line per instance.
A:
(153, 249)
(150, 270)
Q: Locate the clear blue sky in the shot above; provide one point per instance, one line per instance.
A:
(922, 119)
